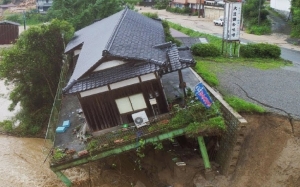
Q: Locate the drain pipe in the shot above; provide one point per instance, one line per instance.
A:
(209, 175)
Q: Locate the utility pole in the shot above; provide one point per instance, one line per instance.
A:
(199, 8)
(24, 20)
(259, 12)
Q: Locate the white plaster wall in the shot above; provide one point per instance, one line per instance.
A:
(213, 12)
(283, 5)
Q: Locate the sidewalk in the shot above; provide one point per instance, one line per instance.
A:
(205, 25)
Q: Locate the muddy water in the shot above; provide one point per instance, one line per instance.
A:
(21, 163)
(21, 159)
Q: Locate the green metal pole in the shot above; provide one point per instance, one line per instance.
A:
(63, 178)
(115, 151)
(204, 152)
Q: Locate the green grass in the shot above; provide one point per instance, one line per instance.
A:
(241, 105)
(203, 69)
(208, 68)
(259, 63)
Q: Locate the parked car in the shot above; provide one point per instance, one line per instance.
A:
(219, 21)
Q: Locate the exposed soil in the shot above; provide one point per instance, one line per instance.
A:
(270, 157)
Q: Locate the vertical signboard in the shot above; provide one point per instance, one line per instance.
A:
(232, 21)
(202, 95)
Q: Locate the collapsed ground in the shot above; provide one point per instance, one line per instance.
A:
(270, 156)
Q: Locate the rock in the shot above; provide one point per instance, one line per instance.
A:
(83, 153)
(139, 184)
(200, 181)
(70, 151)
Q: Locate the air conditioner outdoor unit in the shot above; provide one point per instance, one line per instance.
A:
(140, 119)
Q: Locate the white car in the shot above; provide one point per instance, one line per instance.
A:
(219, 21)
(221, 3)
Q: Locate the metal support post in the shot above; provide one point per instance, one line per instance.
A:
(209, 175)
(63, 178)
(204, 152)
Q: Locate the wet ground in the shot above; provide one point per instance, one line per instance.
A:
(280, 24)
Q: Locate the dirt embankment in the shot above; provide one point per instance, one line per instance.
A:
(270, 154)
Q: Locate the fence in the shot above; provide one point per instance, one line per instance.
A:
(54, 116)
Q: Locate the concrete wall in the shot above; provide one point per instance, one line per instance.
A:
(213, 12)
(180, 1)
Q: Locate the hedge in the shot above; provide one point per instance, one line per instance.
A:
(260, 50)
(205, 50)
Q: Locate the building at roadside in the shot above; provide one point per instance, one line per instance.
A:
(43, 5)
(9, 32)
(282, 6)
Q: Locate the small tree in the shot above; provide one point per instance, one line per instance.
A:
(255, 17)
(81, 13)
(295, 11)
(33, 66)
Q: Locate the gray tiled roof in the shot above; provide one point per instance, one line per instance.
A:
(136, 36)
(125, 35)
(179, 58)
(112, 75)
(94, 39)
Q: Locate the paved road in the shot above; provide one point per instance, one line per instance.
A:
(278, 89)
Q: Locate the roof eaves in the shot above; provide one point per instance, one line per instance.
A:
(10, 22)
(163, 45)
(65, 90)
(69, 50)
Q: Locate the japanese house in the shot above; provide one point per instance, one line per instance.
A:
(122, 72)
(117, 65)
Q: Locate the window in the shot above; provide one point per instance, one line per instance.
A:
(131, 103)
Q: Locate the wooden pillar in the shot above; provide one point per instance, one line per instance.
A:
(182, 85)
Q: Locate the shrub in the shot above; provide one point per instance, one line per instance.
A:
(151, 15)
(205, 50)
(185, 10)
(7, 125)
(168, 35)
(260, 50)
(259, 30)
(161, 4)
(18, 18)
